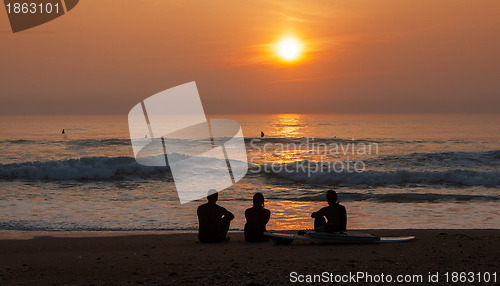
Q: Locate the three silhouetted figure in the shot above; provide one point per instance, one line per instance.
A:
(214, 220)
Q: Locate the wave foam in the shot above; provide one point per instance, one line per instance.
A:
(77, 169)
(405, 198)
(400, 177)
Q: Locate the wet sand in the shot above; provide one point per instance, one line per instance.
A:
(178, 259)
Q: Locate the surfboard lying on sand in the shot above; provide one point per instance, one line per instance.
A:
(336, 237)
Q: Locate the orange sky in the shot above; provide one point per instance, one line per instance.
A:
(396, 56)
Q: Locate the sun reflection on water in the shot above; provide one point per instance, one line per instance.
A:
(288, 125)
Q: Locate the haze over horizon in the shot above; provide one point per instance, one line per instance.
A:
(358, 57)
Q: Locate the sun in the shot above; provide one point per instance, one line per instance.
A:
(289, 49)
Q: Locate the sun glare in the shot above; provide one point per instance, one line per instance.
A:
(289, 49)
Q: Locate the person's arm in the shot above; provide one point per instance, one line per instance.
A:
(317, 214)
(198, 212)
(343, 218)
(268, 216)
(228, 214)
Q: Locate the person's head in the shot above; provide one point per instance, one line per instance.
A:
(331, 197)
(258, 200)
(212, 196)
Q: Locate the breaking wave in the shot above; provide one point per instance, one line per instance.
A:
(77, 169)
(380, 178)
(404, 197)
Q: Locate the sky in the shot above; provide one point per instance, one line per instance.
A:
(364, 56)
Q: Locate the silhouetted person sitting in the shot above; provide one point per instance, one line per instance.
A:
(335, 214)
(257, 218)
(214, 220)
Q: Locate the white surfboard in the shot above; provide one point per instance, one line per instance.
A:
(345, 237)
(287, 236)
(396, 239)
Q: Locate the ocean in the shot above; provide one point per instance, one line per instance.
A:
(390, 171)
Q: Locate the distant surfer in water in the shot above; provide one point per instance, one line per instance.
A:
(257, 218)
(261, 134)
(63, 132)
(213, 219)
(332, 218)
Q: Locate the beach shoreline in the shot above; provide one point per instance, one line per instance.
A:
(176, 258)
(32, 234)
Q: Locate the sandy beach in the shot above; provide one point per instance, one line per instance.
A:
(176, 259)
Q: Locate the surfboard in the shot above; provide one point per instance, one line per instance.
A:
(345, 237)
(396, 239)
(287, 236)
(285, 239)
